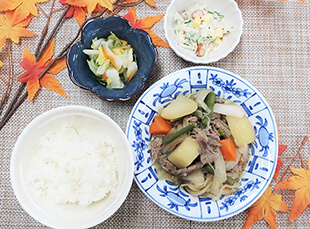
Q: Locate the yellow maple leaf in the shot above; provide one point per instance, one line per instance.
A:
(300, 183)
(23, 8)
(266, 206)
(35, 68)
(9, 30)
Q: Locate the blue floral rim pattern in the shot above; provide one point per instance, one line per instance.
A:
(264, 151)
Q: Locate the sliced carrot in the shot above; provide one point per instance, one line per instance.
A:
(160, 126)
(111, 58)
(104, 76)
(123, 41)
(104, 51)
(130, 76)
(123, 47)
(114, 64)
(228, 149)
(115, 53)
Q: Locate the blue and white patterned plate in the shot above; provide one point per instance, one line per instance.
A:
(264, 151)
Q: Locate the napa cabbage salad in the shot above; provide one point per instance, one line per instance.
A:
(200, 29)
(112, 61)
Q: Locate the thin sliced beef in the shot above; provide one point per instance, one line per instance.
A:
(191, 120)
(157, 145)
(219, 100)
(170, 168)
(215, 116)
(239, 167)
(208, 140)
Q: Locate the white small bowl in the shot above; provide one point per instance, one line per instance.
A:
(232, 16)
(69, 216)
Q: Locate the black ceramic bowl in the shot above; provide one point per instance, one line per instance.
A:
(140, 41)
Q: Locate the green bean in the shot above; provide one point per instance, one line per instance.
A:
(210, 100)
(221, 132)
(201, 125)
(179, 133)
(205, 121)
(209, 169)
(229, 179)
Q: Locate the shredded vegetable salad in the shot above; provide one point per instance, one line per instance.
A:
(112, 61)
(200, 29)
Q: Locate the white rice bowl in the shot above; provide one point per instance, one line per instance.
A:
(98, 183)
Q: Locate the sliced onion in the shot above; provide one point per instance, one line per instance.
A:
(219, 175)
(230, 164)
(233, 110)
(196, 177)
(200, 99)
(245, 151)
(200, 191)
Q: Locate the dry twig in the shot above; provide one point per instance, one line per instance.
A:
(19, 98)
(39, 7)
(305, 139)
(60, 9)
(14, 103)
(8, 83)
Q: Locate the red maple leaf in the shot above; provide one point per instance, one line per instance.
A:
(78, 12)
(35, 68)
(282, 148)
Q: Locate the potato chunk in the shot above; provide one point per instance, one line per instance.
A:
(179, 107)
(185, 153)
(241, 129)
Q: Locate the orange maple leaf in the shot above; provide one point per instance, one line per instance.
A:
(300, 183)
(9, 30)
(78, 12)
(35, 68)
(151, 3)
(91, 4)
(266, 206)
(146, 24)
(23, 8)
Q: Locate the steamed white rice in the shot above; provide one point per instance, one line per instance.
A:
(73, 168)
